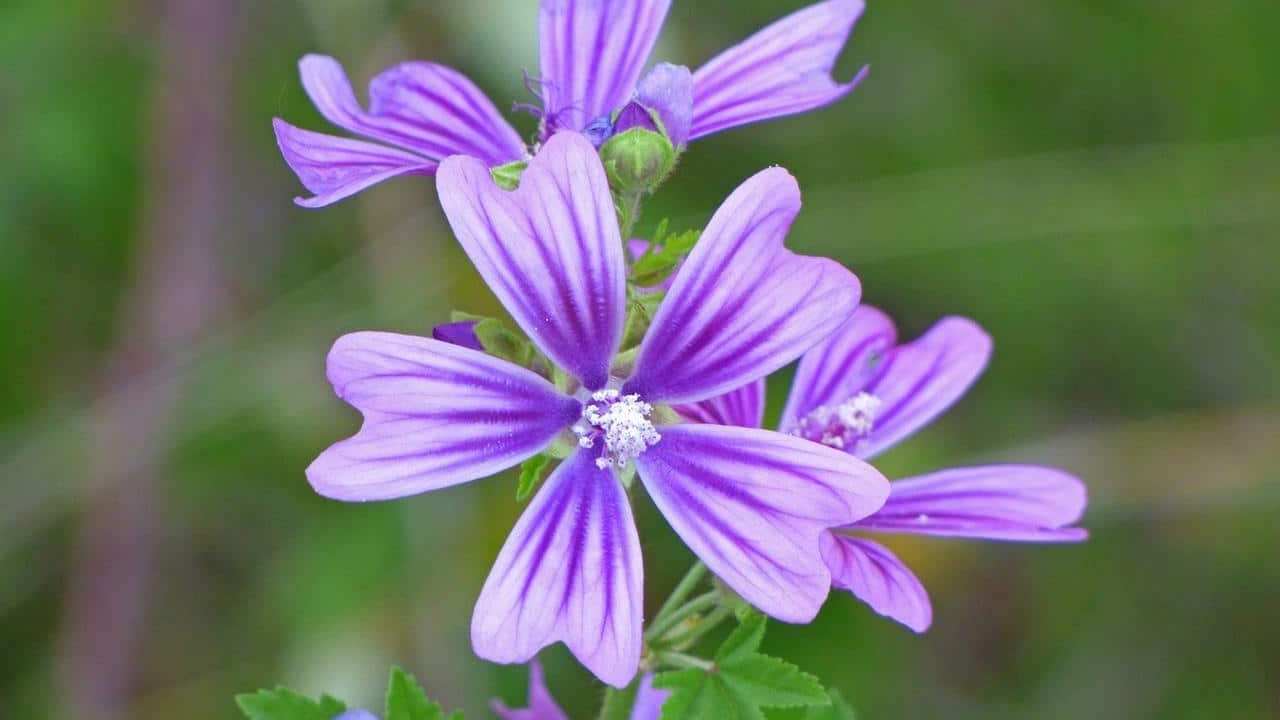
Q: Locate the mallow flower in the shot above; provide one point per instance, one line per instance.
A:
(860, 392)
(752, 504)
(592, 54)
(542, 706)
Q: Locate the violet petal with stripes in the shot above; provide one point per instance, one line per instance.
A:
(592, 53)
(435, 415)
(742, 305)
(743, 407)
(1023, 503)
(752, 505)
(333, 168)
(668, 91)
(570, 571)
(918, 381)
(877, 577)
(420, 111)
(781, 70)
(840, 366)
(550, 250)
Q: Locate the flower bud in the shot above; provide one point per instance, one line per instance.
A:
(637, 158)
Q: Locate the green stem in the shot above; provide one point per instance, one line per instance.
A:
(682, 590)
(686, 662)
(704, 626)
(630, 213)
(664, 625)
(618, 703)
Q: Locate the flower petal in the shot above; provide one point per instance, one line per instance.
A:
(743, 407)
(920, 380)
(334, 168)
(435, 415)
(569, 571)
(781, 70)
(430, 109)
(752, 505)
(840, 366)
(741, 305)
(877, 577)
(550, 250)
(994, 502)
(649, 700)
(357, 714)
(541, 705)
(668, 90)
(592, 52)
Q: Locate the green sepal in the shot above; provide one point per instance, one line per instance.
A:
(531, 473)
(662, 257)
(500, 341)
(641, 308)
(637, 160)
(507, 176)
(740, 682)
(285, 704)
(406, 700)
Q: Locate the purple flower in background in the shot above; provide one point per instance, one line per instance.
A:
(861, 392)
(647, 705)
(752, 504)
(592, 54)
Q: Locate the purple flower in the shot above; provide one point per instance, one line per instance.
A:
(592, 53)
(647, 705)
(752, 504)
(861, 392)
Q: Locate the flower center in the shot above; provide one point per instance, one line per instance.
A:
(840, 426)
(621, 422)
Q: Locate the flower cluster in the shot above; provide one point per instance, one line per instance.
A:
(660, 379)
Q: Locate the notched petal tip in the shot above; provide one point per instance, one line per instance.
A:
(753, 505)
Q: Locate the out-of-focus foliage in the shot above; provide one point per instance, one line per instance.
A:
(1095, 182)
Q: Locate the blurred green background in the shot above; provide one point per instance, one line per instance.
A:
(1095, 182)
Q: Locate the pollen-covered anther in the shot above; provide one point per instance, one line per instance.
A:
(840, 426)
(622, 421)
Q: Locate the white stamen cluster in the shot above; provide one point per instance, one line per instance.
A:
(622, 421)
(840, 426)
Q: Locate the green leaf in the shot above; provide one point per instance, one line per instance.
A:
(770, 682)
(285, 704)
(406, 700)
(837, 710)
(740, 683)
(531, 473)
(663, 257)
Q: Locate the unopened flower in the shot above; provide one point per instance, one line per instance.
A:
(592, 53)
(542, 706)
(752, 504)
(860, 392)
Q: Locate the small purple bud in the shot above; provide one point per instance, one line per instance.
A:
(634, 115)
(458, 333)
(668, 91)
(599, 130)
